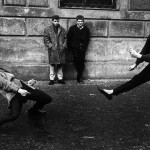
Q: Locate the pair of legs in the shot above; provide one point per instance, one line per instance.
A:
(78, 60)
(137, 80)
(56, 69)
(16, 103)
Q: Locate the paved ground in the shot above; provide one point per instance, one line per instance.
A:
(80, 118)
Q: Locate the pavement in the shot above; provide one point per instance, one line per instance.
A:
(81, 118)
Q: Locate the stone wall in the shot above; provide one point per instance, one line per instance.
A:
(113, 33)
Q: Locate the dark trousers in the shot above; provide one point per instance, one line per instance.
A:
(137, 80)
(16, 103)
(78, 60)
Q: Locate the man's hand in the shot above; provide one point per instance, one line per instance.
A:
(132, 67)
(31, 82)
(23, 92)
(134, 54)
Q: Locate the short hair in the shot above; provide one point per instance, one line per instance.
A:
(55, 17)
(79, 17)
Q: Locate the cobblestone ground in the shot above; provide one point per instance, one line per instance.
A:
(81, 118)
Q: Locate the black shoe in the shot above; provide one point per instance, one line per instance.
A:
(80, 81)
(108, 96)
(51, 82)
(61, 81)
(36, 111)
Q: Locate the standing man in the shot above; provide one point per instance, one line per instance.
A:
(56, 41)
(78, 38)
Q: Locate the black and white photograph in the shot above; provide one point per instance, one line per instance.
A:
(74, 74)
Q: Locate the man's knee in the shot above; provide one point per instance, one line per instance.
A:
(49, 99)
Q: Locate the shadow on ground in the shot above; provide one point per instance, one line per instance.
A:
(80, 118)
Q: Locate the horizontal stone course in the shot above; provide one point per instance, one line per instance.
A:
(97, 27)
(36, 26)
(93, 70)
(105, 58)
(104, 49)
(23, 50)
(139, 5)
(15, 2)
(32, 50)
(26, 11)
(12, 26)
(147, 29)
(126, 28)
(40, 3)
(27, 72)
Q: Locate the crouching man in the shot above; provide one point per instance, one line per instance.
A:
(17, 93)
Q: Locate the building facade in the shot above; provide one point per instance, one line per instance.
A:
(115, 26)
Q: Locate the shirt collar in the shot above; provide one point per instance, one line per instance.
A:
(80, 27)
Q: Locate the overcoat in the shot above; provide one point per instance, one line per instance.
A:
(56, 44)
(9, 85)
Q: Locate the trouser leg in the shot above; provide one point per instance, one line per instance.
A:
(79, 59)
(37, 95)
(15, 110)
(137, 80)
(60, 71)
(52, 72)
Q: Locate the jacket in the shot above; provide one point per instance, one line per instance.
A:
(56, 44)
(9, 85)
(78, 38)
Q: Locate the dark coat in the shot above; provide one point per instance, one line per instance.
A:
(56, 44)
(78, 39)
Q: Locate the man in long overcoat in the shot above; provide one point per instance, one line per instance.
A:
(56, 41)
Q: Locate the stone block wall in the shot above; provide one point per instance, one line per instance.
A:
(113, 33)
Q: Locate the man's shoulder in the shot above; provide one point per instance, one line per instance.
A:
(73, 26)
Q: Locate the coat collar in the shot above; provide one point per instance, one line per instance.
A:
(59, 30)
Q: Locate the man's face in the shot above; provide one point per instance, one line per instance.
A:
(56, 22)
(80, 23)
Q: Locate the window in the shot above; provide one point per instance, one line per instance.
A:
(102, 4)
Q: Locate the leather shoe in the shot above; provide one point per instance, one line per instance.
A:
(108, 96)
(80, 81)
(51, 82)
(61, 81)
